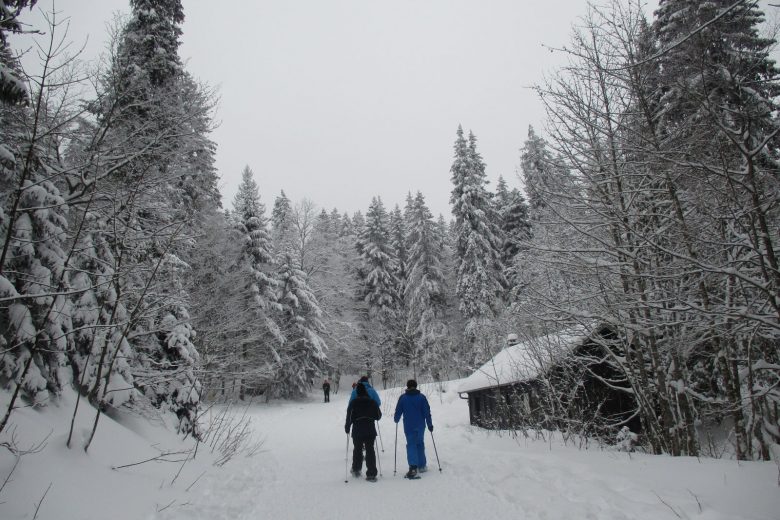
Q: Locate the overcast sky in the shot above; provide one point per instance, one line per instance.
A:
(341, 100)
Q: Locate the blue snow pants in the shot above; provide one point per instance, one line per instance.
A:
(415, 448)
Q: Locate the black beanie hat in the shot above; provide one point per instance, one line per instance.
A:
(364, 379)
(411, 384)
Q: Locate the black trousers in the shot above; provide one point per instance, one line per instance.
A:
(327, 395)
(367, 443)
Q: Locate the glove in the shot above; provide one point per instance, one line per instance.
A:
(430, 428)
(346, 429)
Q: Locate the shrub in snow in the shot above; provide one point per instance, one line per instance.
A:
(626, 440)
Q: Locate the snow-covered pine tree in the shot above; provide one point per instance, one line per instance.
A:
(425, 291)
(346, 228)
(98, 312)
(263, 284)
(12, 87)
(322, 224)
(515, 226)
(281, 221)
(160, 117)
(379, 263)
(377, 286)
(303, 354)
(358, 223)
(335, 222)
(35, 257)
(33, 223)
(480, 278)
(403, 336)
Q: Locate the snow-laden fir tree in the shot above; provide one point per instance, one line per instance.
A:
(515, 226)
(480, 278)
(12, 86)
(378, 288)
(263, 284)
(358, 223)
(544, 176)
(281, 221)
(302, 355)
(379, 263)
(35, 319)
(335, 222)
(346, 228)
(98, 314)
(425, 294)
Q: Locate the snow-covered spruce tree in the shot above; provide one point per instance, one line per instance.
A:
(263, 285)
(152, 151)
(515, 225)
(12, 87)
(335, 222)
(346, 228)
(281, 221)
(480, 279)
(302, 355)
(323, 225)
(358, 223)
(98, 312)
(331, 274)
(551, 193)
(378, 284)
(425, 291)
(399, 326)
(35, 257)
(35, 317)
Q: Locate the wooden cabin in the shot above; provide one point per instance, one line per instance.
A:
(557, 381)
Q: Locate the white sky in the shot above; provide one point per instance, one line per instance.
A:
(341, 100)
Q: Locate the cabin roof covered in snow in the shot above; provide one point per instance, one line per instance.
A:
(524, 361)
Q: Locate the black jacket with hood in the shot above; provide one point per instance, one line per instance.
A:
(361, 414)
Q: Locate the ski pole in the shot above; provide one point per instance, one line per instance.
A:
(378, 460)
(381, 442)
(395, 450)
(346, 462)
(435, 450)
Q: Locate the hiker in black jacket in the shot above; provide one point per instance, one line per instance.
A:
(361, 414)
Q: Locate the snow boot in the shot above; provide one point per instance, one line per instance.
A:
(412, 473)
(422, 469)
(356, 473)
(371, 479)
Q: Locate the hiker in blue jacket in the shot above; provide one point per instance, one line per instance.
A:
(371, 392)
(416, 411)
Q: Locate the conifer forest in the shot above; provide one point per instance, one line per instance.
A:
(649, 204)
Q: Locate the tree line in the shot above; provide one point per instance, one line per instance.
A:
(651, 207)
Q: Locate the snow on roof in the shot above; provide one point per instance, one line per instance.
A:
(525, 360)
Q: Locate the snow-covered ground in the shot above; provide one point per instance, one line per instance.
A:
(300, 473)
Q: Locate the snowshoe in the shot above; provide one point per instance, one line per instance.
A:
(371, 479)
(422, 469)
(412, 474)
(355, 473)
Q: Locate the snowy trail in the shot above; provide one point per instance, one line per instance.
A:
(300, 475)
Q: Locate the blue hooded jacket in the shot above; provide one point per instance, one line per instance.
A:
(371, 393)
(414, 408)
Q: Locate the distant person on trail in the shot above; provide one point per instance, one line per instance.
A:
(416, 411)
(326, 390)
(361, 414)
(371, 392)
(336, 382)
